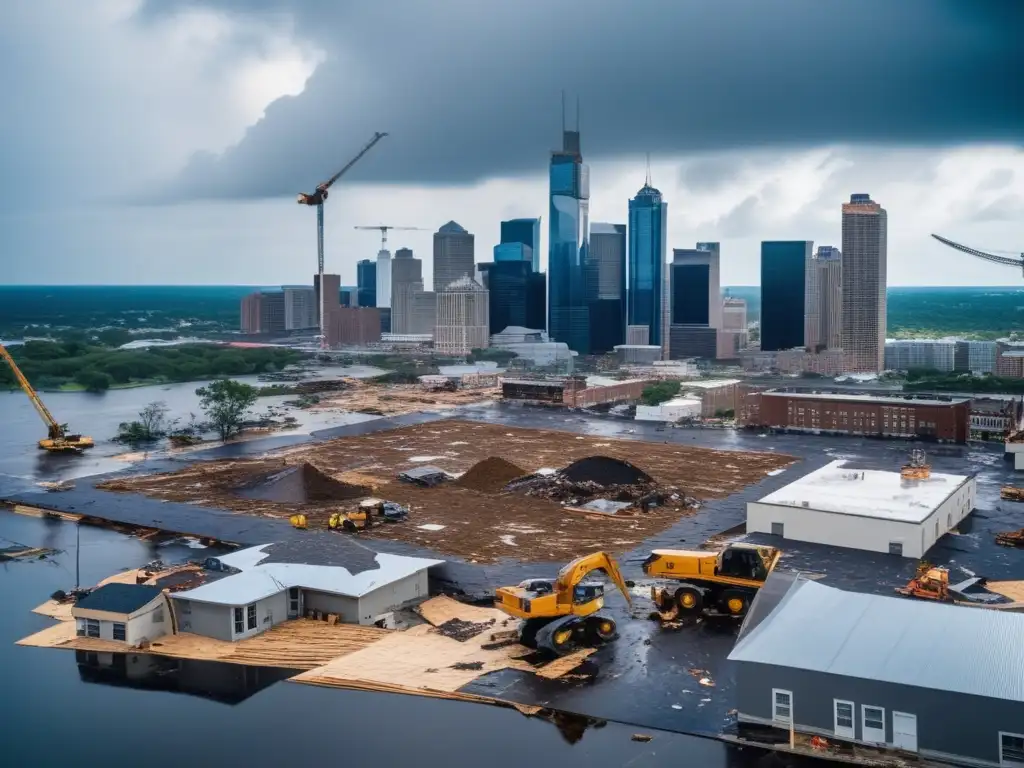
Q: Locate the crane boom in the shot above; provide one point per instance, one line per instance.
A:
(51, 423)
(385, 228)
(369, 145)
(1005, 260)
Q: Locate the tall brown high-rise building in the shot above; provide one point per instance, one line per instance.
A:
(864, 284)
(453, 255)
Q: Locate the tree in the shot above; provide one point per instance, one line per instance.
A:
(658, 393)
(225, 403)
(151, 425)
(93, 380)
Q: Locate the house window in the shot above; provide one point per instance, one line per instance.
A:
(119, 631)
(1011, 749)
(844, 718)
(158, 616)
(782, 706)
(239, 622)
(92, 628)
(873, 724)
(250, 614)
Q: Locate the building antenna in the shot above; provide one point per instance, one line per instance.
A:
(648, 180)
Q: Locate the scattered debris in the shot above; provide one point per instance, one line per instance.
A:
(22, 552)
(1011, 538)
(462, 630)
(427, 477)
(677, 706)
(1010, 493)
(490, 475)
(641, 737)
(468, 665)
(431, 527)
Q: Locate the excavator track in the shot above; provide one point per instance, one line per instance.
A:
(566, 634)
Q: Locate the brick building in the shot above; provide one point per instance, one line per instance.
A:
(946, 420)
(353, 326)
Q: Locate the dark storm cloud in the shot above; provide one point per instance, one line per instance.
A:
(470, 89)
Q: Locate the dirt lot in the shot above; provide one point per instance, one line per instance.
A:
(478, 526)
(397, 399)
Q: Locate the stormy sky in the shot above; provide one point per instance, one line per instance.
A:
(164, 140)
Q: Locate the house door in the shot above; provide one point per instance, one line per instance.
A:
(904, 731)
(779, 529)
(294, 603)
(843, 713)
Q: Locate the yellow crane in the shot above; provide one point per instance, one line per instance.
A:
(57, 440)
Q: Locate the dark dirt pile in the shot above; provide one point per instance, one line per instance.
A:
(300, 484)
(606, 471)
(490, 475)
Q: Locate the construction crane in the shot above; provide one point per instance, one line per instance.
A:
(1009, 261)
(384, 232)
(57, 440)
(317, 199)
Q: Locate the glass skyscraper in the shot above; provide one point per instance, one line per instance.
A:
(514, 252)
(784, 268)
(648, 223)
(568, 236)
(366, 277)
(525, 231)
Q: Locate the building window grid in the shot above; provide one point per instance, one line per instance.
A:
(120, 631)
(1011, 749)
(782, 706)
(250, 613)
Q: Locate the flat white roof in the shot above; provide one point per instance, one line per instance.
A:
(867, 493)
(710, 383)
(906, 402)
(682, 401)
(257, 582)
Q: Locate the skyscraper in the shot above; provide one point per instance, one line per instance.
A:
(300, 307)
(568, 242)
(384, 279)
(366, 283)
(514, 252)
(648, 224)
(716, 301)
(332, 286)
(606, 286)
(453, 255)
(527, 232)
(462, 317)
(785, 269)
(406, 281)
(864, 283)
(824, 300)
(695, 303)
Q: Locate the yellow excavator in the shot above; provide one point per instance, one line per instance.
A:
(712, 583)
(561, 616)
(58, 440)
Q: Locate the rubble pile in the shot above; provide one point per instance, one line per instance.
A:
(490, 475)
(300, 484)
(1011, 538)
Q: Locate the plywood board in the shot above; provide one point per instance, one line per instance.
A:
(1011, 589)
(299, 644)
(561, 666)
(438, 610)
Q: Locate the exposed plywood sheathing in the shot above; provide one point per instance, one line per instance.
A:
(298, 644)
(438, 610)
(1011, 589)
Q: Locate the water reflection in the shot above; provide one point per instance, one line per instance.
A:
(224, 683)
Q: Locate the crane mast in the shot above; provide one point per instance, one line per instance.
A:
(317, 198)
(56, 439)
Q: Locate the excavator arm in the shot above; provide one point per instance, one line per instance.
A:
(576, 571)
(55, 430)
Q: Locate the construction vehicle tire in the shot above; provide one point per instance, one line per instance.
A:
(349, 526)
(735, 602)
(601, 629)
(689, 600)
(559, 636)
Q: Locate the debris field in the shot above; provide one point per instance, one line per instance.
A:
(477, 516)
(363, 396)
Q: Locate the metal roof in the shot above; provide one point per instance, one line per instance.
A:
(906, 402)
(119, 598)
(259, 580)
(894, 640)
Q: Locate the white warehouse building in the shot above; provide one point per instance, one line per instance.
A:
(865, 509)
(671, 410)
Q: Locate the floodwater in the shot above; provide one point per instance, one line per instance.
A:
(98, 416)
(228, 715)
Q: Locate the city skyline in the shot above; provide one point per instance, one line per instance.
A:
(200, 182)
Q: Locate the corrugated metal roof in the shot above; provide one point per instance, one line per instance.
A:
(943, 647)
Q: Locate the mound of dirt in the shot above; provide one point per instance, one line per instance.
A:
(490, 475)
(301, 484)
(605, 471)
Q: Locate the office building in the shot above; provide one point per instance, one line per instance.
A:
(823, 316)
(300, 307)
(694, 303)
(977, 357)
(514, 252)
(785, 266)
(517, 294)
(911, 354)
(384, 279)
(353, 326)
(686, 341)
(453, 255)
(424, 311)
(734, 314)
(526, 232)
(462, 317)
(606, 286)
(366, 283)
(252, 305)
(272, 311)
(332, 297)
(406, 282)
(568, 242)
(349, 296)
(648, 224)
(864, 283)
(716, 303)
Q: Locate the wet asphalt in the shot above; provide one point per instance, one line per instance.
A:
(650, 676)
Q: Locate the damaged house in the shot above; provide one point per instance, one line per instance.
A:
(128, 613)
(263, 586)
(938, 681)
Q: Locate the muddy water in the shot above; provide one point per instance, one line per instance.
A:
(228, 715)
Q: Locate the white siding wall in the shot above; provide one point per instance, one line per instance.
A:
(393, 596)
(346, 607)
(269, 611)
(867, 533)
(144, 624)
